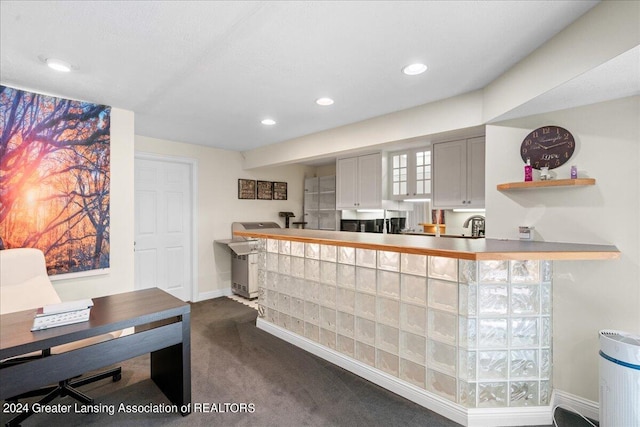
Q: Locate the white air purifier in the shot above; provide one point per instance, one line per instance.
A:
(619, 379)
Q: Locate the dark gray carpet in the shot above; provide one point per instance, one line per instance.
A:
(234, 362)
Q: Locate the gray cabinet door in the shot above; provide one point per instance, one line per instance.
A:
(450, 174)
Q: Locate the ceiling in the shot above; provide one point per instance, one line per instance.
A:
(616, 78)
(208, 72)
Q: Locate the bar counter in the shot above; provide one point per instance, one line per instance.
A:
(460, 326)
(452, 247)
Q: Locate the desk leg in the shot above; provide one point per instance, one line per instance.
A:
(171, 368)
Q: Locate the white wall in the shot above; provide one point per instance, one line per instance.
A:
(219, 206)
(325, 170)
(120, 276)
(588, 295)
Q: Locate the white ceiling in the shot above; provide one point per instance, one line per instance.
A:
(617, 78)
(208, 72)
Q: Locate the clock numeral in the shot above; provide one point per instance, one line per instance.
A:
(535, 134)
(524, 151)
(557, 162)
(527, 142)
(537, 164)
(570, 144)
(545, 131)
(566, 155)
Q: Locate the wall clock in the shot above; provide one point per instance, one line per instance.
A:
(550, 146)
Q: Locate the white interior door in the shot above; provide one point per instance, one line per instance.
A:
(163, 212)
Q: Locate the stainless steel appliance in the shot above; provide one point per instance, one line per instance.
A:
(349, 225)
(394, 225)
(244, 258)
(360, 225)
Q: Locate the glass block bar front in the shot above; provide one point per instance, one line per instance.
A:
(477, 333)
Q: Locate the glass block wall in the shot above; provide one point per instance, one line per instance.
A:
(477, 333)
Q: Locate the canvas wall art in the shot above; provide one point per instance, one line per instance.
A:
(54, 179)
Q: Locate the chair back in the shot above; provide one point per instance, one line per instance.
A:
(24, 283)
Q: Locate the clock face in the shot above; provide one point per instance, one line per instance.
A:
(550, 146)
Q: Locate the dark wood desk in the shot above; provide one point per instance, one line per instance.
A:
(162, 324)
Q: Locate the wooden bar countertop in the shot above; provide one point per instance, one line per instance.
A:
(452, 247)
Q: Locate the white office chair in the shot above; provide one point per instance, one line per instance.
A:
(25, 285)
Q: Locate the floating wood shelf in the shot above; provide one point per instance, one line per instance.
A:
(548, 183)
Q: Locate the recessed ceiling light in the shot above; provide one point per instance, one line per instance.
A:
(268, 122)
(414, 69)
(324, 101)
(58, 65)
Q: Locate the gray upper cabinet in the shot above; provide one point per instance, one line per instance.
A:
(458, 174)
(359, 182)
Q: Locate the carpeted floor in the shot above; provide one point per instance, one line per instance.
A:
(235, 363)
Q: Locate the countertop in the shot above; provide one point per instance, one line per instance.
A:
(459, 236)
(471, 249)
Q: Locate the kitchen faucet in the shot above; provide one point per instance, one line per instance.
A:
(477, 225)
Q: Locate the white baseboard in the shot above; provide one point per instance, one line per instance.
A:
(213, 294)
(538, 415)
(573, 403)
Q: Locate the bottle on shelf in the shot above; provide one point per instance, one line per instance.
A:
(528, 171)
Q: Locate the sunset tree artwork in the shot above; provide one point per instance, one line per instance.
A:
(54, 179)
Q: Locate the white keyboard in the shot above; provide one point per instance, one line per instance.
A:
(63, 307)
(65, 313)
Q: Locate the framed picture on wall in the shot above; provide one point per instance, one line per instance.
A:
(246, 189)
(265, 190)
(279, 191)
